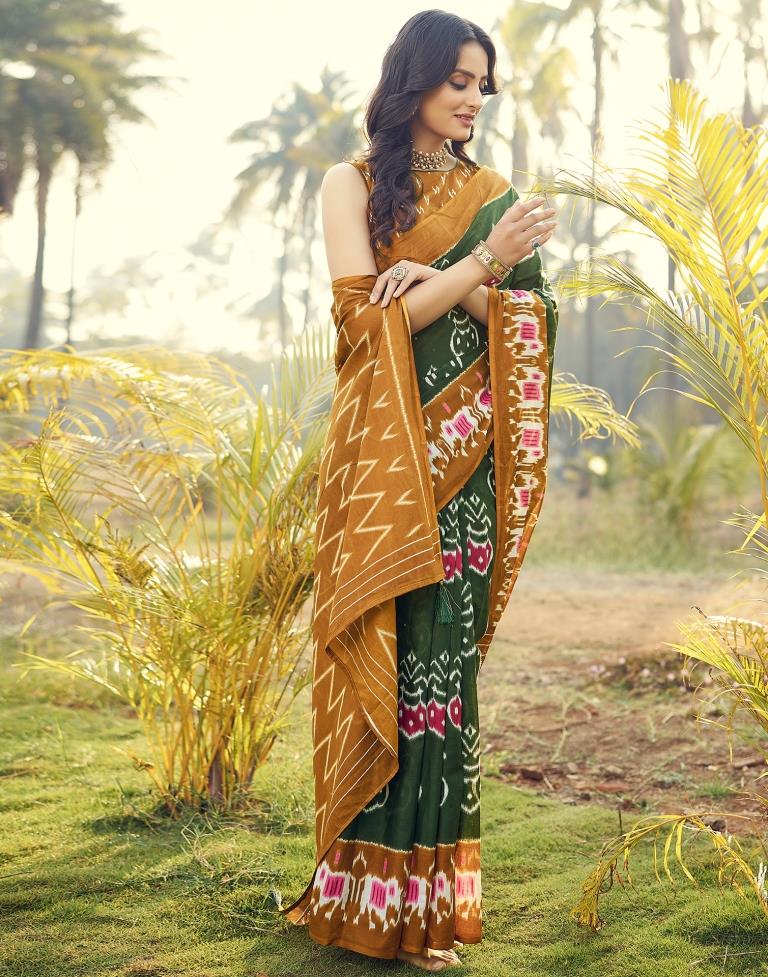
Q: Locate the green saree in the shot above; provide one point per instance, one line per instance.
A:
(446, 431)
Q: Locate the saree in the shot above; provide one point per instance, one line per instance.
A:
(430, 483)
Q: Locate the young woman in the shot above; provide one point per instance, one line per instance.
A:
(430, 483)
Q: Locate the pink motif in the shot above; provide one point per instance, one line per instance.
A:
(521, 293)
(532, 390)
(337, 857)
(485, 397)
(438, 885)
(411, 721)
(452, 563)
(333, 886)
(436, 718)
(412, 895)
(479, 555)
(378, 894)
(465, 885)
(454, 711)
(528, 330)
(531, 437)
(461, 424)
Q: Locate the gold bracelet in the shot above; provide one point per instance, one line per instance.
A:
(493, 263)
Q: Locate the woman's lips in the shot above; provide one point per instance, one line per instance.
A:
(466, 119)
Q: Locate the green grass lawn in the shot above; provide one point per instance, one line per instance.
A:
(92, 884)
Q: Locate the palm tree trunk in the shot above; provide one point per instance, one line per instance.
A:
(71, 292)
(519, 144)
(282, 317)
(591, 304)
(37, 294)
(679, 67)
(309, 237)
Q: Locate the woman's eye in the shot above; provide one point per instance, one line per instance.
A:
(461, 88)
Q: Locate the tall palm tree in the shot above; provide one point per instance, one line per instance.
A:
(294, 146)
(74, 88)
(750, 30)
(604, 42)
(539, 82)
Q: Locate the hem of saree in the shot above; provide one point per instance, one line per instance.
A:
(380, 955)
(292, 912)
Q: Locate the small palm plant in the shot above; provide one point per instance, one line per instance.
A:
(175, 508)
(702, 193)
(682, 467)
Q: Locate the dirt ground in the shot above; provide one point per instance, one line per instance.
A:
(581, 699)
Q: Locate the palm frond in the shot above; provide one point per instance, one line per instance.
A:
(702, 193)
(733, 868)
(592, 408)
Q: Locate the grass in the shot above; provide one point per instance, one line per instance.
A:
(92, 884)
(611, 529)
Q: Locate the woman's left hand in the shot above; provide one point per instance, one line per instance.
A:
(387, 287)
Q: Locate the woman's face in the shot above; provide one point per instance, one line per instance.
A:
(438, 116)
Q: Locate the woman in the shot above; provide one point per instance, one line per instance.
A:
(430, 483)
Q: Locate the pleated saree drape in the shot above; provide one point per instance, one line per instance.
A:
(430, 484)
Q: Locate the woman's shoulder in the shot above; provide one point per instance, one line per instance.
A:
(343, 172)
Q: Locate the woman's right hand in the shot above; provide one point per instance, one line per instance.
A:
(510, 239)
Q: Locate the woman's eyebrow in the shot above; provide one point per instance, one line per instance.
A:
(470, 73)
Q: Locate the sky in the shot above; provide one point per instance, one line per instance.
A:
(172, 178)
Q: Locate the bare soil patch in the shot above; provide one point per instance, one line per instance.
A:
(581, 699)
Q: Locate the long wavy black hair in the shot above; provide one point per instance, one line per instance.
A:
(422, 56)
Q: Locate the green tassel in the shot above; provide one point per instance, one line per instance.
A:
(444, 610)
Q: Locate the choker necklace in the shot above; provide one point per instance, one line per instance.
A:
(428, 160)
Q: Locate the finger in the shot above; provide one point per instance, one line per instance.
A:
(535, 216)
(525, 206)
(391, 286)
(542, 239)
(403, 284)
(377, 287)
(538, 229)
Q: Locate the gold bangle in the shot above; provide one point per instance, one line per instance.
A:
(493, 263)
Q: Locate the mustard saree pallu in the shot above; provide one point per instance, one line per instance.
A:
(430, 483)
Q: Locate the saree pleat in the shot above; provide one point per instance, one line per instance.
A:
(430, 484)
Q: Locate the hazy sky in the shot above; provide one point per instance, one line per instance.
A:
(171, 179)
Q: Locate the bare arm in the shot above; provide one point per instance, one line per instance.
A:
(428, 300)
(476, 303)
(344, 204)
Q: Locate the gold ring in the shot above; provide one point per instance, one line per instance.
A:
(399, 272)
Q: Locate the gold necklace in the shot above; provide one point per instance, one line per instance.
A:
(436, 160)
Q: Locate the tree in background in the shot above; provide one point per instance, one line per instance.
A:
(66, 81)
(541, 78)
(294, 146)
